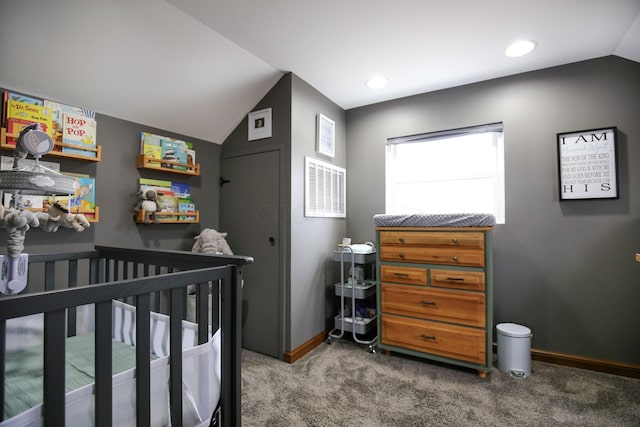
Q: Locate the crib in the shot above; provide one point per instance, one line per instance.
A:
(115, 291)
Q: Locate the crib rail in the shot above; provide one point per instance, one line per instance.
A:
(116, 273)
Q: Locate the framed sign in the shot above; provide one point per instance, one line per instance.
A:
(326, 138)
(588, 164)
(260, 124)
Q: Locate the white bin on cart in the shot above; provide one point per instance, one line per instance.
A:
(514, 349)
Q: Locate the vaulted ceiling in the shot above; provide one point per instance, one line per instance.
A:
(197, 67)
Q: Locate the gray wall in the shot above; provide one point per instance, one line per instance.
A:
(116, 186)
(565, 269)
(309, 271)
(313, 240)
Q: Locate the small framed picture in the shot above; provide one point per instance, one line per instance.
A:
(588, 164)
(326, 137)
(260, 124)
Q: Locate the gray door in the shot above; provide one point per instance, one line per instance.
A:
(250, 214)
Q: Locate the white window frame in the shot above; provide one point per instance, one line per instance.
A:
(325, 189)
(452, 181)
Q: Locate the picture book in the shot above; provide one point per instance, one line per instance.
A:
(14, 96)
(186, 206)
(167, 203)
(84, 199)
(150, 145)
(57, 112)
(157, 184)
(21, 114)
(181, 189)
(28, 202)
(79, 131)
(175, 151)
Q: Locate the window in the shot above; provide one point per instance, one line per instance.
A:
(453, 171)
(325, 189)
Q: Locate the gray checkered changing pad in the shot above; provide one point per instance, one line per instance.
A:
(434, 220)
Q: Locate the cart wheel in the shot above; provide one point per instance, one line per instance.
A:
(372, 349)
(329, 340)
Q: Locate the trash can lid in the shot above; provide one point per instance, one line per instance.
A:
(513, 330)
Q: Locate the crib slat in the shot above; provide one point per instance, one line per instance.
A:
(72, 312)
(54, 368)
(231, 296)
(143, 361)
(175, 356)
(103, 364)
(202, 312)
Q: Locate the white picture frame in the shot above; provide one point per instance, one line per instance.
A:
(260, 124)
(326, 136)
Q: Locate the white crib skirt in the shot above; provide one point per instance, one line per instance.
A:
(200, 387)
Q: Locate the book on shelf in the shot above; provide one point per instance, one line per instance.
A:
(181, 189)
(22, 114)
(84, 199)
(175, 151)
(58, 110)
(79, 131)
(28, 202)
(150, 145)
(186, 206)
(15, 96)
(167, 202)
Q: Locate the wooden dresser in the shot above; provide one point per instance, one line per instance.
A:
(435, 294)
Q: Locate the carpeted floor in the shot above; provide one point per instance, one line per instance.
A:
(342, 384)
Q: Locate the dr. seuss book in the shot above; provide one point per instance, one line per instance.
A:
(80, 131)
(14, 96)
(22, 114)
(58, 109)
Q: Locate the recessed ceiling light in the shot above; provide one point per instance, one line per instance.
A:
(377, 82)
(521, 47)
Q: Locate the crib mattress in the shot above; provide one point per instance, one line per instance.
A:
(24, 372)
(434, 220)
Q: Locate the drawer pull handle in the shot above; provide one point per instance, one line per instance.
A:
(401, 255)
(455, 258)
(427, 302)
(455, 279)
(428, 337)
(401, 239)
(454, 241)
(401, 274)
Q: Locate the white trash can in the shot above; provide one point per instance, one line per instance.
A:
(514, 349)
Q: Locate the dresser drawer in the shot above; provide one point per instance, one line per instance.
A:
(452, 341)
(472, 240)
(410, 275)
(429, 255)
(466, 308)
(469, 280)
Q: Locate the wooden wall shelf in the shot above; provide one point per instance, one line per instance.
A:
(57, 149)
(167, 215)
(92, 216)
(145, 162)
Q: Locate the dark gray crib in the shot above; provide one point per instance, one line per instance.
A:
(149, 279)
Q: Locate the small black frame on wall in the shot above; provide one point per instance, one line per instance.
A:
(588, 164)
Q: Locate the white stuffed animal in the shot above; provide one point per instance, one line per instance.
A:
(210, 241)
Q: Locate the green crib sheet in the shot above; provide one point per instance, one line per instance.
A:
(24, 372)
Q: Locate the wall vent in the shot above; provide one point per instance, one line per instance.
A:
(325, 189)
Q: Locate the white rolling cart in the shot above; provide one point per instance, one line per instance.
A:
(359, 315)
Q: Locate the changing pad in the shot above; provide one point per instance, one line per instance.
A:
(434, 220)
